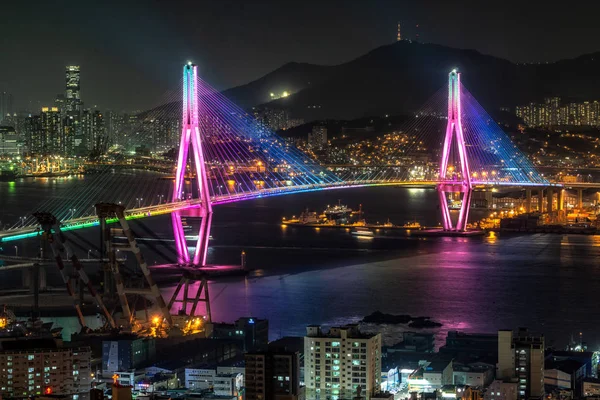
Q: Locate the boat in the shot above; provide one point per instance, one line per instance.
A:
(308, 217)
(337, 211)
(412, 225)
(362, 231)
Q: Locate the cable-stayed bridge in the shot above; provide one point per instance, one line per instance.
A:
(226, 155)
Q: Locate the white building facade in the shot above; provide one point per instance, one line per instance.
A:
(337, 362)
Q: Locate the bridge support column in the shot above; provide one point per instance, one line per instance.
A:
(42, 278)
(26, 278)
(561, 200)
(541, 200)
(580, 198)
(550, 200)
(34, 278)
(528, 200)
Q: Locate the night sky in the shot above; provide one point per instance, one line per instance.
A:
(131, 52)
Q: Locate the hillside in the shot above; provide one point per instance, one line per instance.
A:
(399, 77)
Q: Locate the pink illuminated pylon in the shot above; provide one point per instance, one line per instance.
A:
(463, 185)
(190, 134)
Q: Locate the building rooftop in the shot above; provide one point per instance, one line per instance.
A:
(351, 331)
(438, 364)
(568, 366)
(572, 354)
(30, 344)
(523, 334)
(473, 367)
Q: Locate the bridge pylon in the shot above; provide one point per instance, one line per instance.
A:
(456, 183)
(191, 135)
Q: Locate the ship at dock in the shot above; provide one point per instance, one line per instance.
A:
(337, 215)
(340, 213)
(342, 216)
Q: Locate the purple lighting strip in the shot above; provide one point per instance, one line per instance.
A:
(191, 135)
(454, 130)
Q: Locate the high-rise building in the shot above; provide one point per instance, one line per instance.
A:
(252, 332)
(276, 119)
(521, 358)
(9, 143)
(71, 112)
(49, 139)
(30, 130)
(398, 36)
(116, 128)
(98, 133)
(93, 133)
(85, 131)
(273, 375)
(552, 113)
(126, 353)
(317, 139)
(6, 106)
(70, 128)
(73, 99)
(60, 101)
(38, 366)
(337, 362)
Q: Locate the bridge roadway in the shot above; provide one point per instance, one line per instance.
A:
(168, 208)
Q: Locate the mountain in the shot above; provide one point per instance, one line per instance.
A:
(400, 77)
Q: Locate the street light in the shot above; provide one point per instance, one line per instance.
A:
(16, 251)
(22, 219)
(89, 251)
(72, 211)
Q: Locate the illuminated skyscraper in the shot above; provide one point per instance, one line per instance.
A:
(49, 139)
(73, 100)
(70, 108)
(399, 36)
(98, 132)
(93, 132)
(29, 128)
(317, 139)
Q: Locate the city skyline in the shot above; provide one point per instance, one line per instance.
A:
(143, 46)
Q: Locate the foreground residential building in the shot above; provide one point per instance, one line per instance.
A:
(33, 367)
(339, 361)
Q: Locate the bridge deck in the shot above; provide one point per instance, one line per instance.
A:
(168, 208)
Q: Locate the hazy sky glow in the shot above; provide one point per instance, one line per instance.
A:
(131, 52)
